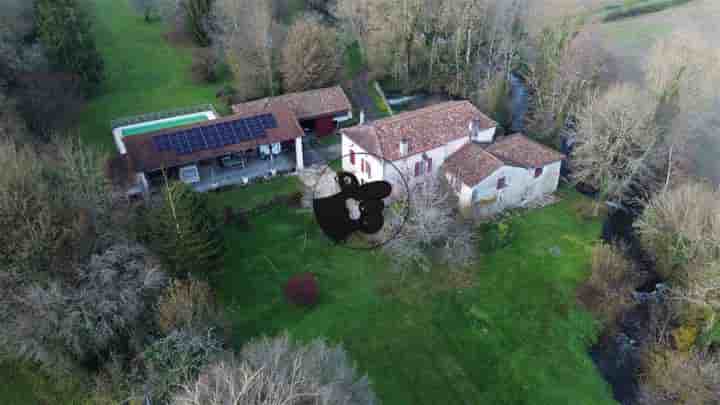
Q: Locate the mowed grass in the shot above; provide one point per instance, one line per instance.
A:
(507, 331)
(256, 194)
(144, 72)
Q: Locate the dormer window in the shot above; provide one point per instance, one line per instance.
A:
(404, 147)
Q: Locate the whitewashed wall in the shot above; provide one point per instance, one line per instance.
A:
(376, 166)
(521, 187)
(486, 136)
(407, 166)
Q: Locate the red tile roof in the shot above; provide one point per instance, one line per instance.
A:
(144, 157)
(424, 129)
(519, 150)
(306, 105)
(472, 164)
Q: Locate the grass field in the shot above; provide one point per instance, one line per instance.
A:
(25, 385)
(144, 73)
(630, 40)
(504, 332)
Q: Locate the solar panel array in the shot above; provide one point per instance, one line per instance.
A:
(215, 136)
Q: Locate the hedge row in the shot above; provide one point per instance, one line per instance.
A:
(644, 8)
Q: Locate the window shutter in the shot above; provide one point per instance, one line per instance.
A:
(429, 165)
(417, 169)
(368, 169)
(352, 157)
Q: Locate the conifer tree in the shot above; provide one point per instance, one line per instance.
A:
(185, 233)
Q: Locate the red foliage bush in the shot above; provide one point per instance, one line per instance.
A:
(302, 289)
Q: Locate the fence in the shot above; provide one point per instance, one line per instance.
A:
(121, 122)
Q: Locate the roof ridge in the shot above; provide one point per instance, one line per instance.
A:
(447, 105)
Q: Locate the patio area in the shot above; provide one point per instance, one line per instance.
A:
(213, 176)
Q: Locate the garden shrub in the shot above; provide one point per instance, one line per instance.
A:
(178, 358)
(496, 235)
(302, 290)
(684, 337)
(205, 65)
(608, 290)
(280, 371)
(187, 304)
(673, 377)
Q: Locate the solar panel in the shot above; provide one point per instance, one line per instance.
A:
(241, 130)
(226, 134)
(254, 127)
(183, 145)
(162, 143)
(212, 136)
(216, 135)
(267, 121)
(196, 140)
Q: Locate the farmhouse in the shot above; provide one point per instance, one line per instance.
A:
(458, 141)
(260, 138)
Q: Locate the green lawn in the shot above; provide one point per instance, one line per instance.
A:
(25, 385)
(256, 194)
(144, 73)
(505, 332)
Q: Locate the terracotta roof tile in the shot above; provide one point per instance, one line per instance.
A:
(472, 164)
(425, 129)
(519, 150)
(145, 157)
(306, 105)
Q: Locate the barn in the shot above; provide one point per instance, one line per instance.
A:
(319, 111)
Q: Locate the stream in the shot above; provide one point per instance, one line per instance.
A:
(519, 103)
(617, 353)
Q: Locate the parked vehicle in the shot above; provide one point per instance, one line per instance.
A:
(232, 160)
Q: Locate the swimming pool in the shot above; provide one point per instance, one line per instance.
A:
(157, 125)
(164, 124)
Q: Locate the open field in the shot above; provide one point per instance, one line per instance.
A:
(144, 73)
(630, 40)
(504, 332)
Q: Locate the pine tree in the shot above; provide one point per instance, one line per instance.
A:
(185, 233)
(64, 29)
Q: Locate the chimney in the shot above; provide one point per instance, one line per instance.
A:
(404, 147)
(477, 134)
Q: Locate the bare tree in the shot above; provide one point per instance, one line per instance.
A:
(681, 73)
(672, 377)
(44, 216)
(63, 324)
(355, 17)
(568, 62)
(309, 57)
(429, 224)
(279, 371)
(248, 35)
(608, 290)
(616, 142)
(680, 227)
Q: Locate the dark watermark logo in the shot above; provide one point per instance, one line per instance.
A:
(345, 206)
